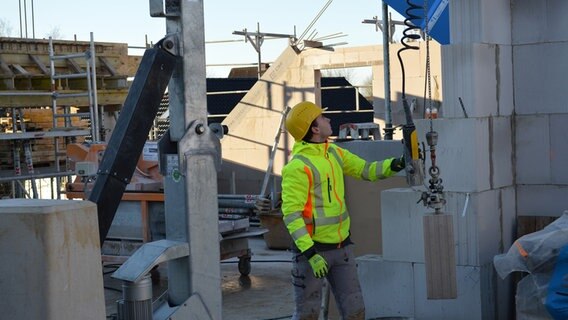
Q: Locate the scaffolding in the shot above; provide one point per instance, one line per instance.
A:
(72, 78)
(60, 81)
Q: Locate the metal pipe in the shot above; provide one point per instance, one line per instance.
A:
(20, 12)
(90, 95)
(93, 64)
(259, 39)
(33, 20)
(386, 67)
(26, 18)
(12, 94)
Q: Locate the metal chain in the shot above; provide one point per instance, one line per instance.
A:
(434, 197)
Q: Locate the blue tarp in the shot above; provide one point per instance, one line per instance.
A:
(438, 16)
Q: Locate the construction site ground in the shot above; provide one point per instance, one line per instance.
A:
(265, 294)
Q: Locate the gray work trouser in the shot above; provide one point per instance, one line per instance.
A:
(342, 278)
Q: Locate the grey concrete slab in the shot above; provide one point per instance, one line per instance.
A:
(541, 200)
(480, 22)
(539, 21)
(476, 296)
(501, 150)
(559, 149)
(398, 290)
(477, 231)
(387, 286)
(505, 81)
(402, 225)
(540, 83)
(50, 253)
(532, 145)
(462, 152)
(495, 25)
(481, 75)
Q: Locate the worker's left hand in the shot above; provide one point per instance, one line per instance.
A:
(319, 266)
(398, 164)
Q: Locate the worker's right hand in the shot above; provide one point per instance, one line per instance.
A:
(262, 205)
(397, 164)
(319, 266)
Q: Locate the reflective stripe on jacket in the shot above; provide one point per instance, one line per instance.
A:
(313, 201)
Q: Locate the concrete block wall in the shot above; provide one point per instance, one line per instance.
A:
(484, 82)
(540, 47)
(397, 289)
(483, 222)
(473, 154)
(476, 156)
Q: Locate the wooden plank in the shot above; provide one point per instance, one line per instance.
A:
(39, 64)
(20, 70)
(107, 65)
(105, 97)
(440, 256)
(530, 224)
(72, 64)
(5, 68)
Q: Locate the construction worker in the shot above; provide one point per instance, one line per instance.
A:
(316, 216)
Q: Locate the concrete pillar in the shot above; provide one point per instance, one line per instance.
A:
(51, 260)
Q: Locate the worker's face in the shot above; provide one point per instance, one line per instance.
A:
(323, 127)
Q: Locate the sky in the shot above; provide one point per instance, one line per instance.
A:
(129, 21)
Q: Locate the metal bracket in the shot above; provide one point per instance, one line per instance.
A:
(192, 309)
(200, 140)
(170, 44)
(158, 9)
(148, 256)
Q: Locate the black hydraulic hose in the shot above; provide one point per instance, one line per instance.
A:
(411, 23)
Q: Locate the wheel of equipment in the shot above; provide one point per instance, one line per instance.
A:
(244, 265)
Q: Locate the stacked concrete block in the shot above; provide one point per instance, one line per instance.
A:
(473, 154)
(531, 97)
(51, 267)
(483, 224)
(475, 160)
(396, 290)
(488, 88)
(478, 218)
(541, 140)
(388, 287)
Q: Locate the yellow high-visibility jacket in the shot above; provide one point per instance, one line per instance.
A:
(313, 202)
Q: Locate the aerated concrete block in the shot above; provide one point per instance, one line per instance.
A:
(481, 75)
(387, 286)
(542, 149)
(398, 289)
(51, 260)
(559, 148)
(472, 155)
(501, 151)
(539, 21)
(532, 145)
(541, 200)
(478, 230)
(540, 82)
(477, 296)
(462, 152)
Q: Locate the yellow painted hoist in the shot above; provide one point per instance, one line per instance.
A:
(439, 243)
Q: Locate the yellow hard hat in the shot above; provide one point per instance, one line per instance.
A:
(300, 118)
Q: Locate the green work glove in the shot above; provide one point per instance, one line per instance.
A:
(319, 266)
(398, 164)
